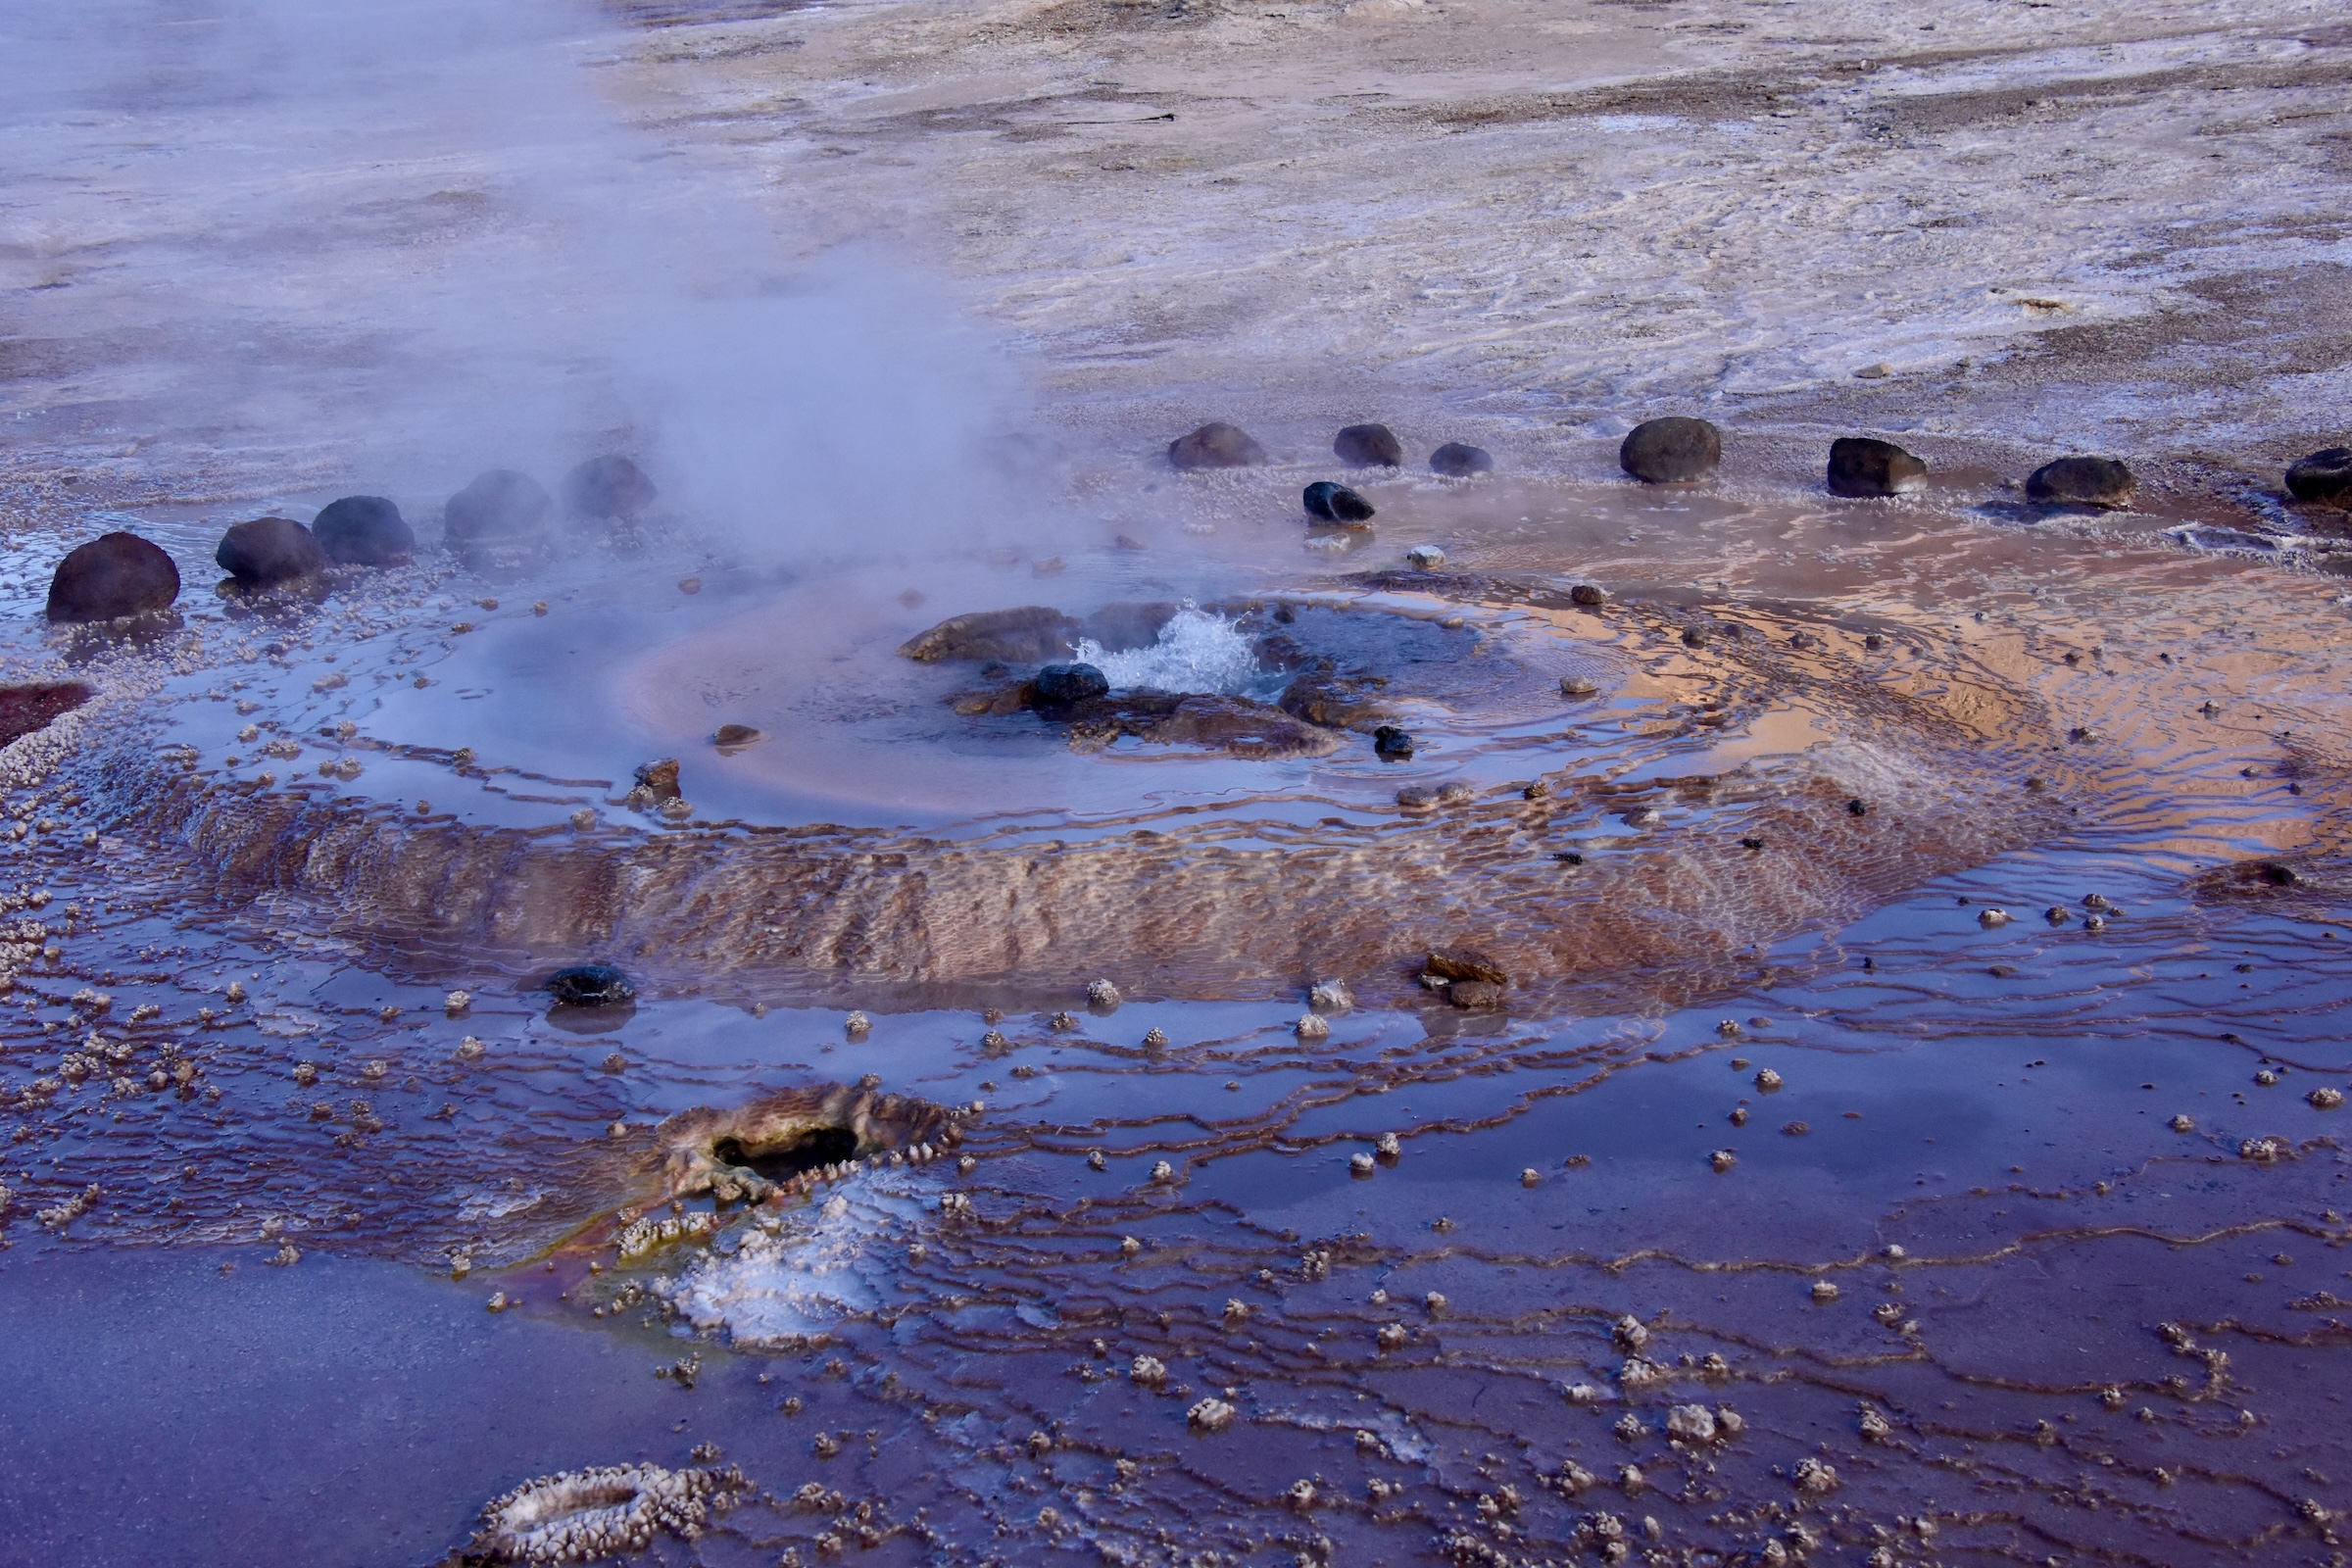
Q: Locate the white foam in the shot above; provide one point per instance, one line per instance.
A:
(1196, 651)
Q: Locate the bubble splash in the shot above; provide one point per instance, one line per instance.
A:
(1196, 651)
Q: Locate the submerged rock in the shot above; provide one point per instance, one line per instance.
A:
(1368, 446)
(33, 706)
(2081, 482)
(2324, 475)
(590, 985)
(1861, 465)
(269, 550)
(501, 510)
(1216, 445)
(1674, 450)
(1070, 683)
(1336, 502)
(608, 487)
(114, 575)
(1029, 635)
(1458, 459)
(364, 531)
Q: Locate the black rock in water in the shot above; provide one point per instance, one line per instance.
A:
(1063, 684)
(2081, 482)
(499, 507)
(1368, 446)
(590, 985)
(364, 531)
(1588, 594)
(270, 550)
(1336, 502)
(608, 487)
(1458, 459)
(1671, 451)
(1391, 742)
(2324, 475)
(1860, 466)
(114, 575)
(1216, 445)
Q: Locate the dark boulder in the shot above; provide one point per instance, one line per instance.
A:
(1336, 502)
(1588, 594)
(1861, 467)
(1028, 635)
(2322, 477)
(364, 531)
(1216, 445)
(590, 985)
(1368, 446)
(501, 507)
(270, 550)
(1671, 451)
(1063, 684)
(1392, 743)
(607, 487)
(114, 575)
(1464, 963)
(2081, 482)
(1458, 459)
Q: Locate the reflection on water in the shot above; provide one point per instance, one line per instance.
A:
(1923, 1042)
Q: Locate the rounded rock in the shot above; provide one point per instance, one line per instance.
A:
(2325, 475)
(1425, 558)
(1327, 501)
(114, 575)
(1674, 450)
(1458, 460)
(1862, 466)
(1216, 445)
(1368, 446)
(608, 486)
(2099, 482)
(499, 504)
(1587, 595)
(1393, 743)
(269, 550)
(1063, 684)
(364, 531)
(590, 985)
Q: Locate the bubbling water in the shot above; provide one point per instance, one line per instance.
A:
(1197, 650)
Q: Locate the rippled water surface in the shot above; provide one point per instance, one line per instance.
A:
(1896, 1181)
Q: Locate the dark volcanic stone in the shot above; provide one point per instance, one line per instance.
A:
(1391, 742)
(1458, 459)
(659, 779)
(608, 487)
(1474, 994)
(1862, 466)
(1061, 684)
(364, 531)
(1463, 963)
(1336, 502)
(114, 575)
(2322, 477)
(590, 985)
(270, 550)
(499, 506)
(1028, 635)
(1216, 445)
(1368, 446)
(1584, 593)
(1671, 451)
(2081, 482)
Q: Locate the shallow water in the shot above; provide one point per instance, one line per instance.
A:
(2032, 1230)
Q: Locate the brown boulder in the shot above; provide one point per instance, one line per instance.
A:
(114, 575)
(270, 550)
(1216, 445)
(1368, 446)
(1029, 635)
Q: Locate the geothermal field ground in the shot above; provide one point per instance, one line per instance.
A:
(1175, 782)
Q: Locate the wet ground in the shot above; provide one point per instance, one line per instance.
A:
(1896, 1182)
(1909, 1126)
